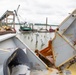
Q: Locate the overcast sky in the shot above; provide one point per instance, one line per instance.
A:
(37, 10)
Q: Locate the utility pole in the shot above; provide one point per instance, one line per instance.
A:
(46, 22)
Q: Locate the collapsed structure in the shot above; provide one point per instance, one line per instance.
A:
(7, 22)
(61, 50)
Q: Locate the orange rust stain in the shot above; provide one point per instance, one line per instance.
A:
(47, 51)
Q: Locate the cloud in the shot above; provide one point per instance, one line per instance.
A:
(38, 10)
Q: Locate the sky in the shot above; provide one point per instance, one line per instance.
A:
(36, 11)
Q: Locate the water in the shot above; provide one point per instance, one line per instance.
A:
(35, 40)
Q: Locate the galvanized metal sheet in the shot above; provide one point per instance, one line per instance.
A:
(62, 49)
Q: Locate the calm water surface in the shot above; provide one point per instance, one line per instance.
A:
(35, 40)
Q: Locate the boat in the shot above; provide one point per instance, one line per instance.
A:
(51, 30)
(46, 30)
(18, 59)
(24, 29)
(27, 28)
(63, 46)
(43, 31)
